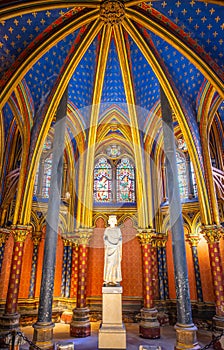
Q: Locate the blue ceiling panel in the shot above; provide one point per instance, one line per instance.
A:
(8, 117)
(113, 87)
(42, 76)
(82, 82)
(18, 32)
(202, 21)
(146, 84)
(186, 77)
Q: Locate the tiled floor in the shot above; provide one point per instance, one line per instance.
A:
(166, 341)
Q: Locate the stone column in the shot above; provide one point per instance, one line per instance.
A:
(193, 241)
(149, 325)
(212, 234)
(80, 325)
(185, 329)
(10, 319)
(36, 240)
(155, 277)
(74, 273)
(4, 234)
(64, 265)
(68, 270)
(43, 328)
(165, 275)
(162, 271)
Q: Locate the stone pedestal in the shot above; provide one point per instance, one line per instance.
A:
(149, 326)
(218, 328)
(43, 335)
(80, 325)
(112, 333)
(9, 323)
(186, 337)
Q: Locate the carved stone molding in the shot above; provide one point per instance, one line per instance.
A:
(112, 12)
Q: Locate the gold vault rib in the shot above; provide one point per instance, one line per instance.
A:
(66, 76)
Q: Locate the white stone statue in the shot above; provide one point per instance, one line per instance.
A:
(112, 253)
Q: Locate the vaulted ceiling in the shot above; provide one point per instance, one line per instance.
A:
(112, 53)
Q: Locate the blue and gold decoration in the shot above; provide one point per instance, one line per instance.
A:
(36, 240)
(64, 266)
(68, 270)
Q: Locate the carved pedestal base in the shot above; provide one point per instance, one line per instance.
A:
(9, 323)
(149, 327)
(186, 337)
(43, 335)
(80, 325)
(218, 328)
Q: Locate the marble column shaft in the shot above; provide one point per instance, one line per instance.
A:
(184, 313)
(52, 220)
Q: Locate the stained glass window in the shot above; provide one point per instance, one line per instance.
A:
(36, 181)
(194, 180)
(125, 176)
(182, 175)
(47, 177)
(102, 181)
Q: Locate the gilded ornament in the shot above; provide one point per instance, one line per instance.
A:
(146, 236)
(20, 232)
(84, 235)
(212, 233)
(112, 12)
(193, 239)
(36, 237)
(3, 237)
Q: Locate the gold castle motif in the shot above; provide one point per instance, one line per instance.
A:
(112, 12)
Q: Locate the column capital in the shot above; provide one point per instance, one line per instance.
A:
(193, 239)
(84, 235)
(146, 235)
(212, 233)
(20, 232)
(36, 237)
(4, 235)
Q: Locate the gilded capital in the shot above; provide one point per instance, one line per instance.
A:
(112, 12)
(36, 237)
(84, 235)
(212, 233)
(4, 234)
(193, 239)
(20, 232)
(146, 236)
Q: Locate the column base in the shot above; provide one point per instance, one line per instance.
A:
(9, 325)
(149, 327)
(43, 335)
(218, 328)
(80, 325)
(186, 337)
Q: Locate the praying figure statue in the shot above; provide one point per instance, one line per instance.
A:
(112, 253)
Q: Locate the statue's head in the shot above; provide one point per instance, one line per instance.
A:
(112, 220)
